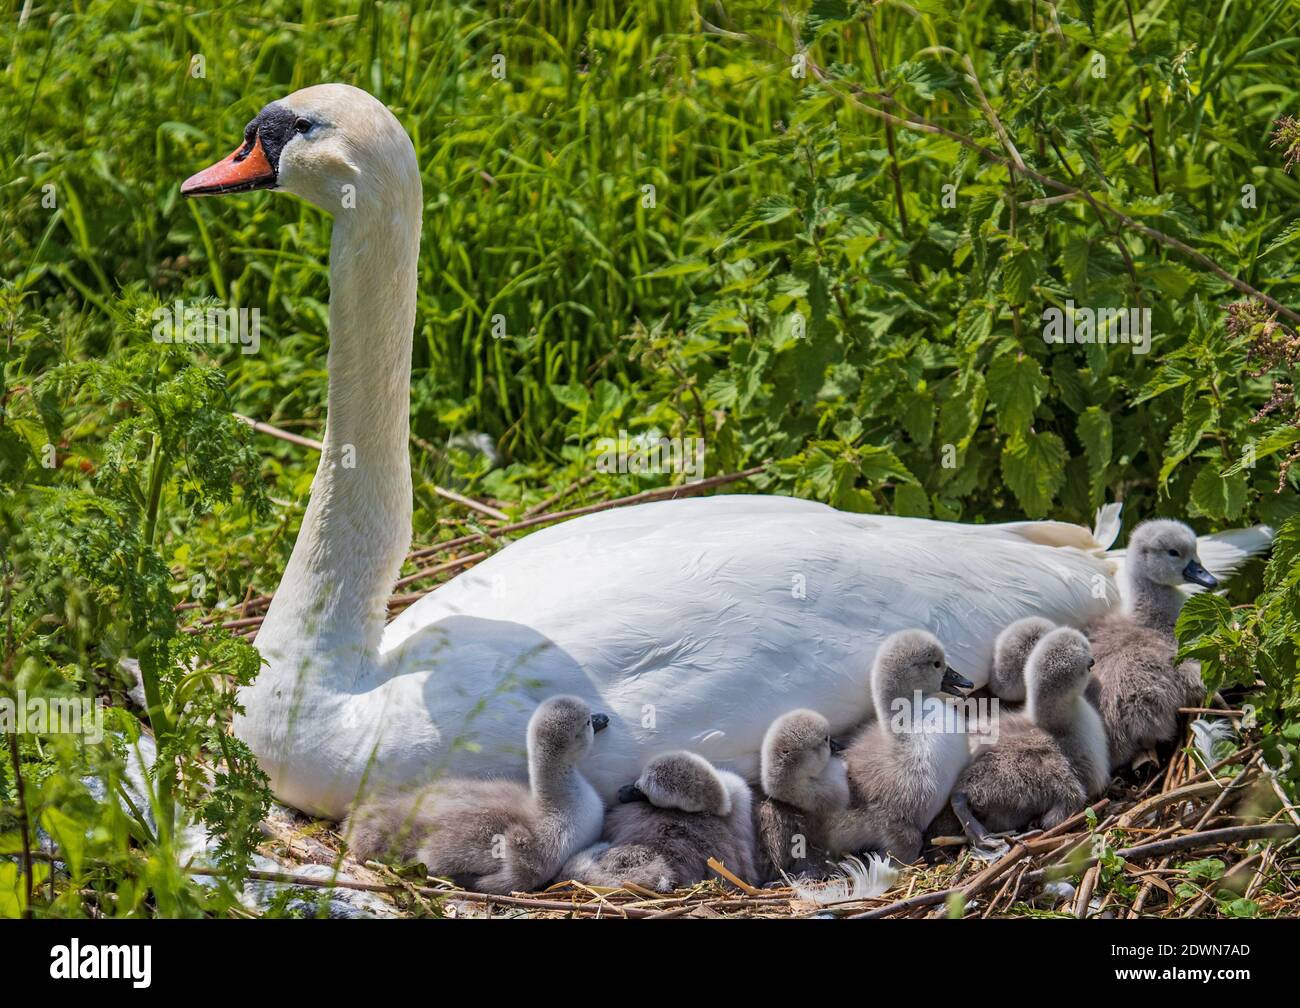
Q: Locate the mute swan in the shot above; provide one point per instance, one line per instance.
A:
(497, 835)
(680, 812)
(1048, 761)
(693, 622)
(1137, 687)
(806, 786)
(902, 766)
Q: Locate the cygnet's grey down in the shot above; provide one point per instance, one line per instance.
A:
(805, 785)
(1047, 761)
(680, 812)
(1138, 688)
(903, 765)
(497, 836)
(1011, 652)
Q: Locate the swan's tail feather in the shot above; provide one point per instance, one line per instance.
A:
(1106, 528)
(1223, 553)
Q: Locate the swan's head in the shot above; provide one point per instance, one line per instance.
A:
(332, 144)
(913, 660)
(1010, 652)
(797, 764)
(682, 781)
(1164, 552)
(1056, 674)
(562, 730)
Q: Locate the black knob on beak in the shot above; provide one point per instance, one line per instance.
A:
(953, 682)
(599, 722)
(629, 793)
(1195, 574)
(837, 747)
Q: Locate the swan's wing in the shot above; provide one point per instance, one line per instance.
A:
(696, 622)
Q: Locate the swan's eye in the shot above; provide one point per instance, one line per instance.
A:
(937, 664)
(1173, 553)
(301, 125)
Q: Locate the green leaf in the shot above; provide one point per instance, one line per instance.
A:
(1016, 385)
(1020, 271)
(911, 500)
(824, 13)
(1216, 496)
(1202, 615)
(878, 464)
(1033, 466)
(768, 210)
(1095, 433)
(1186, 435)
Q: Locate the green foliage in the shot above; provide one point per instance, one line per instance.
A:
(859, 304)
(81, 556)
(1257, 647)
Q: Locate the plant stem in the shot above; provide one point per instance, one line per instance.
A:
(889, 129)
(24, 827)
(1150, 130)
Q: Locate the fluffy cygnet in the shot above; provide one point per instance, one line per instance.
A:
(902, 767)
(497, 836)
(806, 785)
(1138, 688)
(680, 812)
(1047, 761)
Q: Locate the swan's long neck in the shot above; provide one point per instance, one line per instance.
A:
(330, 608)
(1155, 605)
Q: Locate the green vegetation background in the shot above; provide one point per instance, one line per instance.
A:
(856, 303)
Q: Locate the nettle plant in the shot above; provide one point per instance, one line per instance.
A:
(100, 457)
(878, 323)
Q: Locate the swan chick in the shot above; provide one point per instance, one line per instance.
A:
(1138, 687)
(805, 784)
(903, 765)
(1011, 652)
(679, 813)
(1048, 760)
(497, 836)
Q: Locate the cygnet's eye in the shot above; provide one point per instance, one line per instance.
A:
(1092, 662)
(938, 664)
(1174, 553)
(301, 125)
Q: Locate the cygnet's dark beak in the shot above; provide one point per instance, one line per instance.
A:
(599, 722)
(1195, 574)
(837, 747)
(953, 682)
(629, 793)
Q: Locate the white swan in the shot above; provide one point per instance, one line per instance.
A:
(693, 623)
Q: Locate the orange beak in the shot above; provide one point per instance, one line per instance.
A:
(243, 170)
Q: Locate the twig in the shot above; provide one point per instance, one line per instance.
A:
(471, 503)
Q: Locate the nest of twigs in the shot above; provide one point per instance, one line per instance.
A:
(1190, 840)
